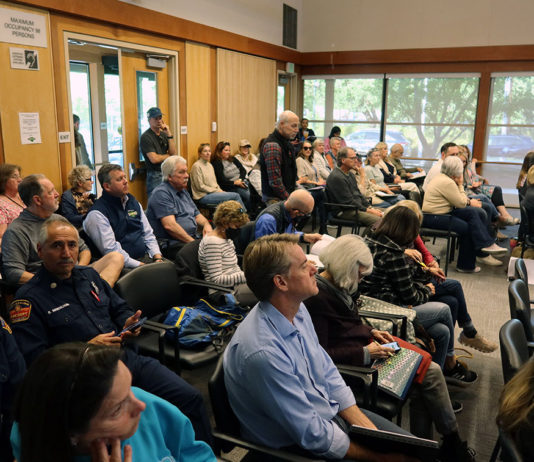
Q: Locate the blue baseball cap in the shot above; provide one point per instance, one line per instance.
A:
(154, 112)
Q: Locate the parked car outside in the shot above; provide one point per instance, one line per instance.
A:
(365, 140)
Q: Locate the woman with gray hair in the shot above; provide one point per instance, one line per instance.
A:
(347, 340)
(76, 202)
(445, 195)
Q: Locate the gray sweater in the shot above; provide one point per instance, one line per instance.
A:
(19, 246)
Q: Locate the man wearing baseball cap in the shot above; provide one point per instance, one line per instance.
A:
(157, 143)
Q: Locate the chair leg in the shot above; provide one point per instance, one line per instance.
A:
(447, 255)
(496, 450)
(338, 231)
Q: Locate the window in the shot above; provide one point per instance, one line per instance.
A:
(81, 104)
(510, 134)
(424, 112)
(147, 97)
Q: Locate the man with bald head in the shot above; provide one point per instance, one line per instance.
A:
(277, 160)
(395, 155)
(282, 217)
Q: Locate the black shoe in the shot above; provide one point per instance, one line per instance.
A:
(457, 406)
(460, 374)
(453, 449)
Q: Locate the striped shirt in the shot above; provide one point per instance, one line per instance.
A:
(218, 261)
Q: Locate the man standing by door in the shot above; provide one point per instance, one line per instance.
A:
(157, 143)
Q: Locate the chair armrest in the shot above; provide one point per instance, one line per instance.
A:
(367, 377)
(162, 329)
(191, 281)
(392, 317)
(276, 454)
(340, 206)
(530, 346)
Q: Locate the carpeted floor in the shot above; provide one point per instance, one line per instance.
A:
(487, 298)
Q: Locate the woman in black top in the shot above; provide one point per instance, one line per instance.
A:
(230, 173)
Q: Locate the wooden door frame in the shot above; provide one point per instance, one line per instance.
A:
(174, 83)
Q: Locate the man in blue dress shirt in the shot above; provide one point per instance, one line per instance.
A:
(283, 387)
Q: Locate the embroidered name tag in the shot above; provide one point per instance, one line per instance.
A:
(20, 310)
(57, 308)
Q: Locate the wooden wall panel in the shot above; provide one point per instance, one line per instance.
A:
(246, 97)
(199, 77)
(29, 91)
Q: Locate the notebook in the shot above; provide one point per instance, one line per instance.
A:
(384, 441)
(396, 373)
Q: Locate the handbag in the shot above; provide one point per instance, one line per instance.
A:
(373, 304)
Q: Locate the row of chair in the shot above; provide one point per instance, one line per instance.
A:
(516, 338)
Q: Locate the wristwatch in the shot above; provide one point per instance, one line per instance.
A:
(170, 137)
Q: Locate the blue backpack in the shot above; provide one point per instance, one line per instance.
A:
(204, 324)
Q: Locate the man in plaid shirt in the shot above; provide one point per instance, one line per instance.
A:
(277, 160)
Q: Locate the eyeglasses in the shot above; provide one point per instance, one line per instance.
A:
(352, 158)
(306, 148)
(15, 176)
(88, 179)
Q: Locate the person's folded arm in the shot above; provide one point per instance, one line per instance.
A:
(98, 228)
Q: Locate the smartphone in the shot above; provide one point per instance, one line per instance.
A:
(393, 345)
(133, 326)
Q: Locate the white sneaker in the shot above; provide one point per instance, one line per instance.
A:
(489, 260)
(476, 269)
(495, 249)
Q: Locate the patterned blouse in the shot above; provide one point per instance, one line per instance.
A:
(9, 210)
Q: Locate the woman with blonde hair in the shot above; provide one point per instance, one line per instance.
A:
(216, 253)
(204, 184)
(516, 410)
(76, 201)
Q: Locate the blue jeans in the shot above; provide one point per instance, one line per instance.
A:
(488, 206)
(244, 193)
(470, 224)
(451, 293)
(153, 179)
(430, 403)
(437, 320)
(393, 200)
(217, 198)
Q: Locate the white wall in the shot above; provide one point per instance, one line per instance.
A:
(258, 19)
(337, 25)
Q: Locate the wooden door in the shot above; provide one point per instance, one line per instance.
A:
(131, 65)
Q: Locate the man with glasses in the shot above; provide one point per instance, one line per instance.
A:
(283, 217)
(342, 188)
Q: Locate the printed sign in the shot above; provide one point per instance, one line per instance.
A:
(24, 59)
(22, 28)
(30, 128)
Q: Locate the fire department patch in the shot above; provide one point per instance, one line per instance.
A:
(20, 310)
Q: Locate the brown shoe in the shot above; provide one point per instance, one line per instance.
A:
(478, 343)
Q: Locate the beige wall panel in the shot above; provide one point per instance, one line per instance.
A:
(246, 97)
(198, 84)
(29, 91)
